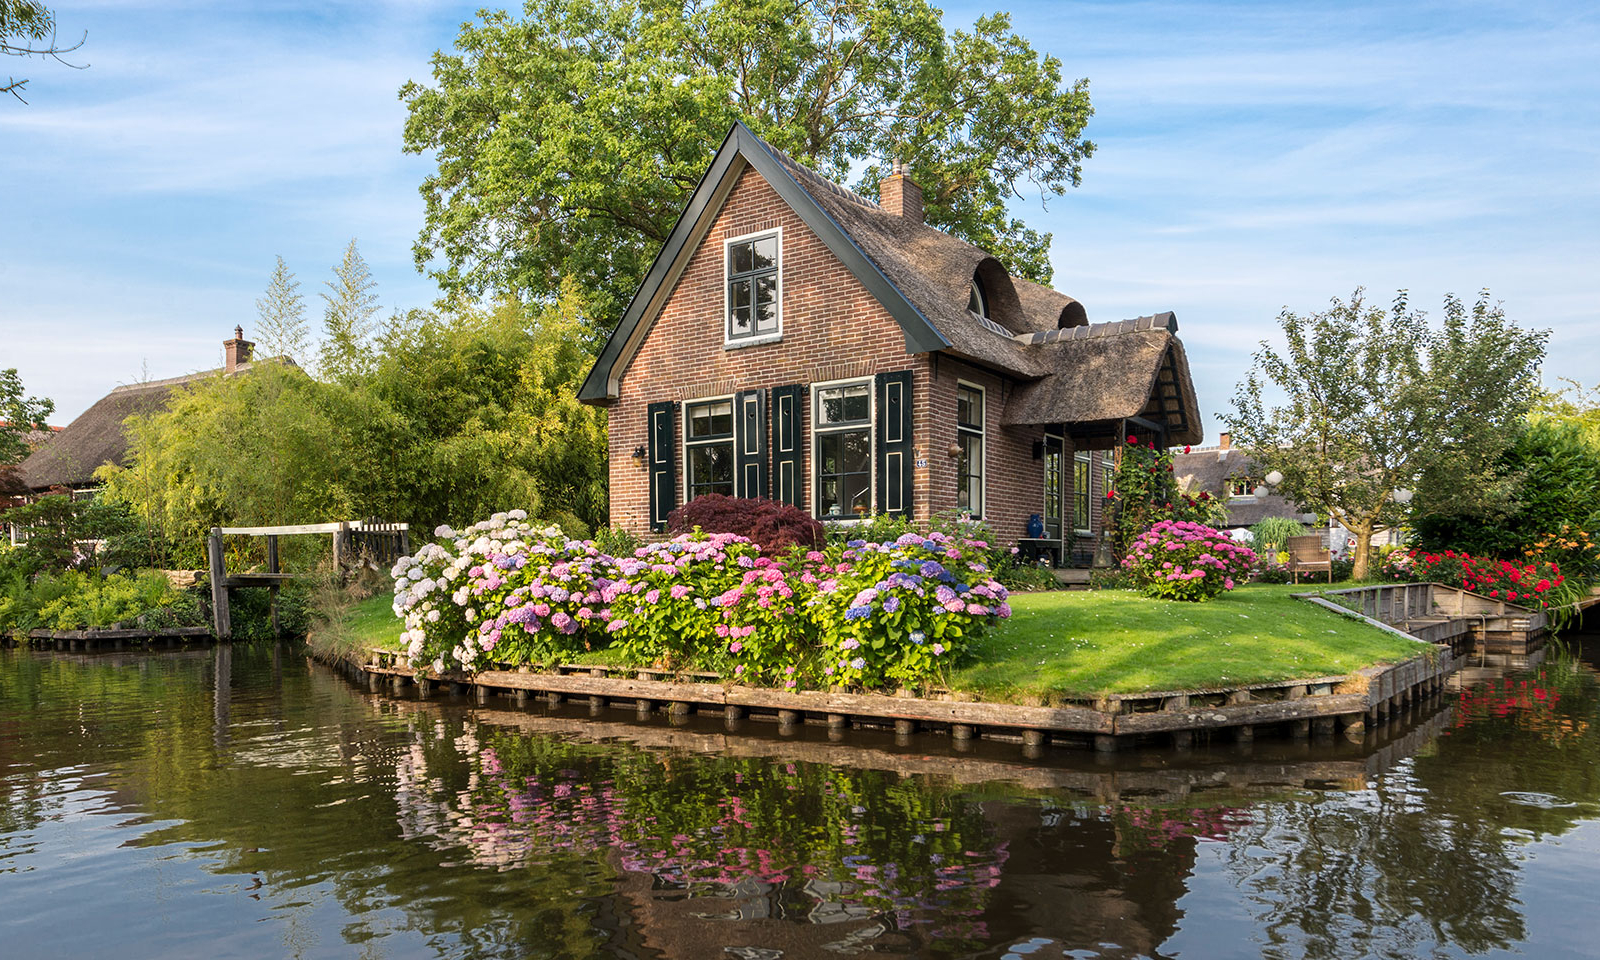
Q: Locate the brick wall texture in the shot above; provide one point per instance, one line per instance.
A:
(833, 329)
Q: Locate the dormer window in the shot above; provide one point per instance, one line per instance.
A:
(754, 288)
(977, 300)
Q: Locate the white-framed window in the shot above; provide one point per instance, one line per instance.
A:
(1240, 487)
(1054, 446)
(969, 435)
(841, 431)
(708, 447)
(753, 288)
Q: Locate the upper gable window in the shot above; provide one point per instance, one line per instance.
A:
(754, 290)
(977, 300)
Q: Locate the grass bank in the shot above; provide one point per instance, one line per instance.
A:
(1074, 644)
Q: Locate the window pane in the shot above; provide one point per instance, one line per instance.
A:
(855, 451)
(766, 304)
(714, 419)
(739, 308)
(969, 408)
(1080, 493)
(740, 257)
(857, 494)
(765, 253)
(849, 404)
(711, 469)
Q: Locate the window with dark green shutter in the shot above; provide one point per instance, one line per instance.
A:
(708, 447)
(842, 460)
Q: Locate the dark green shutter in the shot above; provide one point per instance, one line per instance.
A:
(894, 443)
(788, 404)
(750, 443)
(663, 462)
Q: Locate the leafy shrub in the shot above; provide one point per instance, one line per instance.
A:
(778, 527)
(1017, 574)
(73, 600)
(1182, 560)
(1272, 534)
(879, 528)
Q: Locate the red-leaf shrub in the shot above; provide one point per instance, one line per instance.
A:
(776, 526)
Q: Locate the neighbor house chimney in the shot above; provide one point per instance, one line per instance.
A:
(236, 351)
(899, 194)
(1224, 441)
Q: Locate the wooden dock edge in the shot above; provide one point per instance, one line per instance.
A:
(1300, 708)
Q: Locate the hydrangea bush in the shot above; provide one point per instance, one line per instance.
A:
(894, 613)
(862, 615)
(1184, 560)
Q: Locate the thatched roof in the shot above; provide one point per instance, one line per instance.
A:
(1211, 468)
(934, 271)
(96, 437)
(1105, 372)
(1048, 309)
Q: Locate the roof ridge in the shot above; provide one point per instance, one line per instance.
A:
(1164, 322)
(145, 384)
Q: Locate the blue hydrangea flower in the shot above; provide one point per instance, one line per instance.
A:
(856, 613)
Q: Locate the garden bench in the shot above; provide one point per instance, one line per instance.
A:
(1308, 554)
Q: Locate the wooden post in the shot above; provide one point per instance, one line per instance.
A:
(221, 621)
(338, 550)
(272, 591)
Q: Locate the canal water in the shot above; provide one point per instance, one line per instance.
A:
(245, 802)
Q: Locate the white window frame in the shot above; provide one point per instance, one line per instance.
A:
(983, 449)
(1249, 491)
(684, 444)
(729, 341)
(872, 445)
(1087, 459)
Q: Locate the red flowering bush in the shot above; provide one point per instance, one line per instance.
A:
(1182, 560)
(1529, 584)
(776, 526)
(1145, 492)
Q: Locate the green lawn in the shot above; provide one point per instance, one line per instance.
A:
(1081, 643)
(1118, 641)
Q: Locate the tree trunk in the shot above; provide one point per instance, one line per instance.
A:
(1363, 555)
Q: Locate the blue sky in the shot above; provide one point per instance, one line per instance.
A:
(1251, 156)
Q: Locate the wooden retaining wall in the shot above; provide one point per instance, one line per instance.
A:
(1317, 708)
(116, 638)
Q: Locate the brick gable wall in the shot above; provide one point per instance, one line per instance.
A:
(833, 329)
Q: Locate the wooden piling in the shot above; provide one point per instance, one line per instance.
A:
(222, 622)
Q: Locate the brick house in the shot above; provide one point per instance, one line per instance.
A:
(797, 341)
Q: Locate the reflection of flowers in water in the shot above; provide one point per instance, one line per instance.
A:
(1530, 703)
(809, 831)
(1153, 828)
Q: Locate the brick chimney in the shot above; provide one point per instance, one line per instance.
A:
(236, 351)
(1224, 441)
(899, 194)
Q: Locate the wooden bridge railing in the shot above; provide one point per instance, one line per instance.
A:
(354, 541)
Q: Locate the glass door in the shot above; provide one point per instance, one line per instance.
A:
(1052, 486)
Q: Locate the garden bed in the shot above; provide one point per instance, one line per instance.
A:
(1063, 646)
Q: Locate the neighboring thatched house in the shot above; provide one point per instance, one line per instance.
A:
(1230, 475)
(799, 341)
(96, 437)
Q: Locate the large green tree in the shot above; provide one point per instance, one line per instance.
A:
(1363, 401)
(568, 139)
